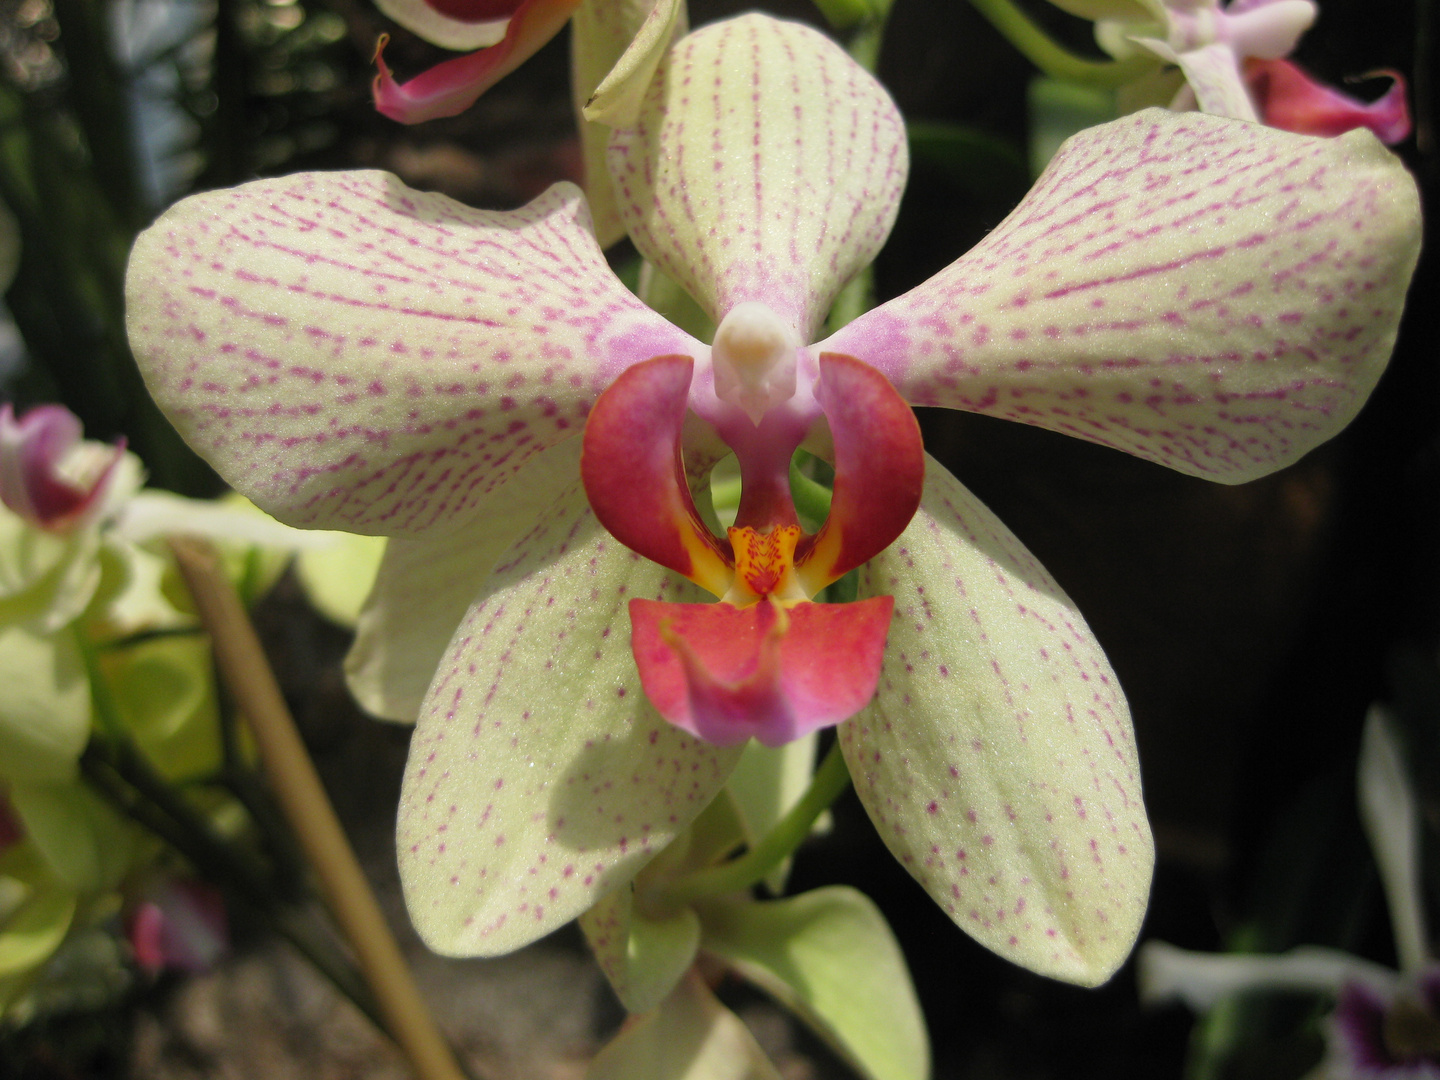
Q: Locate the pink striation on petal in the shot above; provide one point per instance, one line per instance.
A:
(450, 88)
(879, 470)
(540, 777)
(1215, 296)
(1288, 98)
(635, 478)
(766, 165)
(771, 672)
(354, 354)
(34, 453)
(998, 761)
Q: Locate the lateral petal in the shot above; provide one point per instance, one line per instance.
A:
(540, 777)
(425, 586)
(353, 354)
(998, 761)
(1215, 296)
(783, 163)
(1289, 98)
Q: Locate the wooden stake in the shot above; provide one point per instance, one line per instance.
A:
(297, 786)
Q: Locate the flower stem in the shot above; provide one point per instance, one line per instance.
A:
(751, 868)
(1052, 59)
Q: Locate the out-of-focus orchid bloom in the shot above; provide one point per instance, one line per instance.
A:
(1232, 58)
(49, 475)
(1386, 1024)
(179, 925)
(1286, 97)
(1213, 296)
(507, 33)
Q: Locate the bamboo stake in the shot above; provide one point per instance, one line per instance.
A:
(297, 786)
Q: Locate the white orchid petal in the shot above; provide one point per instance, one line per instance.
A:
(766, 165)
(428, 22)
(540, 776)
(997, 759)
(1213, 74)
(1201, 979)
(425, 586)
(1392, 824)
(354, 354)
(1215, 296)
(616, 100)
(602, 32)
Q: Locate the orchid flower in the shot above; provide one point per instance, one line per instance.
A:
(1213, 296)
(1386, 1024)
(1233, 60)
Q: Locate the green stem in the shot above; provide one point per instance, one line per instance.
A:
(1052, 59)
(128, 784)
(780, 842)
(812, 498)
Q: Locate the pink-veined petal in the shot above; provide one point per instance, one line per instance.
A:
(453, 24)
(450, 88)
(1212, 74)
(764, 671)
(879, 469)
(425, 586)
(49, 474)
(998, 761)
(353, 354)
(1288, 98)
(1215, 296)
(766, 165)
(635, 477)
(540, 777)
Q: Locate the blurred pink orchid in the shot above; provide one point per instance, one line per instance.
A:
(49, 474)
(1213, 296)
(1233, 59)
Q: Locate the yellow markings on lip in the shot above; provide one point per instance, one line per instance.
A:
(708, 568)
(765, 566)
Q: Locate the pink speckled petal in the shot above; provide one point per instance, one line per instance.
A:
(353, 354)
(998, 761)
(425, 586)
(1215, 296)
(781, 167)
(540, 777)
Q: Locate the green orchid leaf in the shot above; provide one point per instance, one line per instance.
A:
(85, 843)
(829, 956)
(164, 691)
(44, 705)
(691, 1036)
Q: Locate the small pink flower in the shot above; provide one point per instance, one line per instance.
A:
(179, 926)
(49, 475)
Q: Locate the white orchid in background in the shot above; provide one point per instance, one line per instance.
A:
(1233, 59)
(1386, 1024)
(1214, 296)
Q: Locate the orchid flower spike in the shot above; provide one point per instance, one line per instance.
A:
(1214, 296)
(1233, 61)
